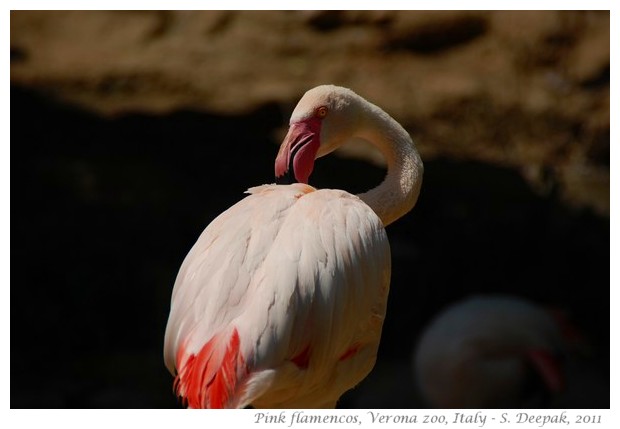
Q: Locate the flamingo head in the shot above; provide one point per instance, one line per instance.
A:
(491, 351)
(325, 117)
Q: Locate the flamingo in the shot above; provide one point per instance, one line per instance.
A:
(280, 303)
(492, 352)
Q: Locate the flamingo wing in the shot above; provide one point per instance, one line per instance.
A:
(280, 302)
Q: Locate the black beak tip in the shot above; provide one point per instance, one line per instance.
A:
(285, 179)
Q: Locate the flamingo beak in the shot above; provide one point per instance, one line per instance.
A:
(295, 160)
(548, 367)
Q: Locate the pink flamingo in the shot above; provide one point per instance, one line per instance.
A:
(281, 301)
(493, 351)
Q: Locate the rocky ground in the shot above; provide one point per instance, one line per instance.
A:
(525, 90)
(130, 131)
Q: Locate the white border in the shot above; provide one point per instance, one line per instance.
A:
(244, 418)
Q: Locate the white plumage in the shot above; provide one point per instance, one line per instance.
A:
(490, 352)
(281, 301)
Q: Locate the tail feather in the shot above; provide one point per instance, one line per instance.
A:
(209, 378)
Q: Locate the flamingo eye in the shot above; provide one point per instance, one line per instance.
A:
(321, 112)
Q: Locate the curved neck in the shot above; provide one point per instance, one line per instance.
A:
(399, 191)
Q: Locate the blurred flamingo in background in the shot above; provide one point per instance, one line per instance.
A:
(281, 301)
(493, 352)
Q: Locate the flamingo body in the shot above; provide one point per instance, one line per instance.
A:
(281, 301)
(490, 352)
(289, 288)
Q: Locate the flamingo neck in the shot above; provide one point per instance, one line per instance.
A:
(399, 191)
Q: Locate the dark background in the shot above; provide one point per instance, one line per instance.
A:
(105, 207)
(104, 211)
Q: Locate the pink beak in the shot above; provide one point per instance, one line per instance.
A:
(295, 160)
(548, 367)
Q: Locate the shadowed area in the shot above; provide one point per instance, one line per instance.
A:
(103, 211)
